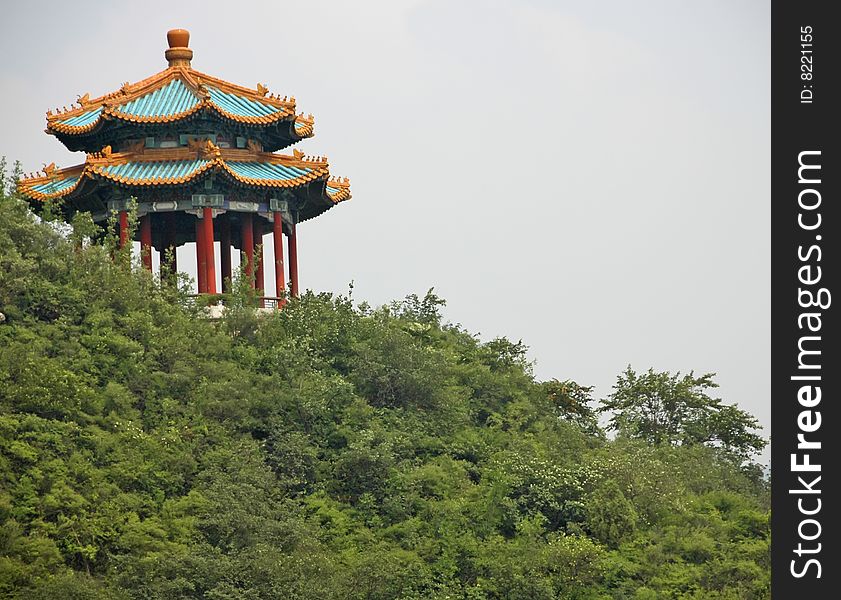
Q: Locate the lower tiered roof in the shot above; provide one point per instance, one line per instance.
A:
(171, 168)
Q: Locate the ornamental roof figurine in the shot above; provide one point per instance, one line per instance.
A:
(183, 143)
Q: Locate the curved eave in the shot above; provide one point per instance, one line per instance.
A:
(325, 199)
(54, 184)
(102, 172)
(116, 113)
(251, 120)
(216, 165)
(303, 127)
(192, 82)
(109, 114)
(337, 192)
(322, 191)
(317, 173)
(331, 192)
(278, 172)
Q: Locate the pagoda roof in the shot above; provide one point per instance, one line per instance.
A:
(166, 128)
(175, 94)
(145, 168)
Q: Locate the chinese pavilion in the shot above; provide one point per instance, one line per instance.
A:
(197, 154)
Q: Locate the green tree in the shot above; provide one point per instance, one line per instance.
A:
(667, 408)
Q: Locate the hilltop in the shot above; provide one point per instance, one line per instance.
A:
(336, 450)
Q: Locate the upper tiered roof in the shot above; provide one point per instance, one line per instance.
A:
(177, 129)
(174, 95)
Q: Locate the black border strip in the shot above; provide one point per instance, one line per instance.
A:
(806, 227)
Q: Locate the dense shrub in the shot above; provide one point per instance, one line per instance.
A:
(328, 451)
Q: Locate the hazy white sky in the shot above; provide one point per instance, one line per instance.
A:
(589, 176)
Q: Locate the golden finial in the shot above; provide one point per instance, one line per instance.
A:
(83, 100)
(106, 151)
(297, 153)
(179, 53)
(262, 90)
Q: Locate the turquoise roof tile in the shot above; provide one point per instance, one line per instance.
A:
(84, 119)
(56, 186)
(255, 170)
(240, 106)
(155, 171)
(161, 170)
(172, 99)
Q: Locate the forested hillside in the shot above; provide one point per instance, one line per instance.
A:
(335, 450)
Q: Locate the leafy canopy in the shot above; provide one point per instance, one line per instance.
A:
(666, 408)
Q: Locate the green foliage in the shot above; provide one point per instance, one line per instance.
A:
(573, 401)
(665, 408)
(610, 515)
(336, 451)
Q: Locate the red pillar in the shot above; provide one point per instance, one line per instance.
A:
(225, 252)
(209, 256)
(123, 228)
(146, 241)
(247, 235)
(171, 244)
(201, 261)
(293, 261)
(259, 281)
(277, 239)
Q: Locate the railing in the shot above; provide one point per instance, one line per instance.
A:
(267, 302)
(271, 302)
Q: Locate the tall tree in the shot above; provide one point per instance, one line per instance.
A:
(667, 408)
